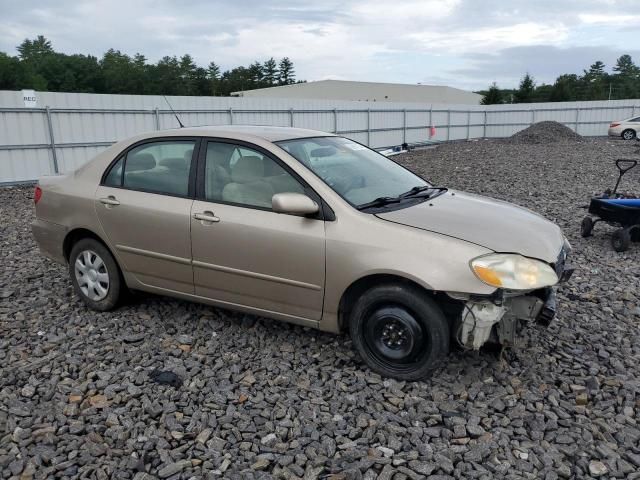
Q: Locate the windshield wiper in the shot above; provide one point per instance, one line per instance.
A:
(379, 202)
(418, 191)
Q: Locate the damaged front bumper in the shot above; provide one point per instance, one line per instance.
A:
(480, 316)
(497, 318)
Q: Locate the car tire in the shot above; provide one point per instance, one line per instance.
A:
(586, 227)
(628, 134)
(620, 240)
(399, 331)
(95, 275)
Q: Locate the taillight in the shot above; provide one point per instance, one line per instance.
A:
(613, 125)
(37, 194)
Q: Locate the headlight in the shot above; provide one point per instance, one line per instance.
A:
(513, 272)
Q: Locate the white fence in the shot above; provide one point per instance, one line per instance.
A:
(68, 129)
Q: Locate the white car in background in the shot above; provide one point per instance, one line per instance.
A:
(627, 129)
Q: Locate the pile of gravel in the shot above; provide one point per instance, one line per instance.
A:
(544, 132)
(264, 399)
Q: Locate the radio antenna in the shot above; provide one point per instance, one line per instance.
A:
(173, 111)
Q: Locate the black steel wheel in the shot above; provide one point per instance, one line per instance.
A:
(586, 228)
(620, 240)
(399, 331)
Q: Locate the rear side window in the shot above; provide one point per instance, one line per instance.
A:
(158, 167)
(637, 119)
(114, 177)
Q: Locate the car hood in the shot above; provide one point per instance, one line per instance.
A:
(494, 224)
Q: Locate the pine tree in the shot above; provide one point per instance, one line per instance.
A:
(287, 74)
(270, 70)
(525, 91)
(493, 95)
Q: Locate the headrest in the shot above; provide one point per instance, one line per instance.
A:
(174, 163)
(247, 169)
(140, 161)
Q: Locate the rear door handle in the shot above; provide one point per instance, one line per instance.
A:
(206, 217)
(110, 201)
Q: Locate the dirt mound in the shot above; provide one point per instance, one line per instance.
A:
(545, 132)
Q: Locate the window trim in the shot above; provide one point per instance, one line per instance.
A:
(324, 212)
(191, 187)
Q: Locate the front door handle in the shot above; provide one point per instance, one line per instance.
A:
(206, 217)
(110, 201)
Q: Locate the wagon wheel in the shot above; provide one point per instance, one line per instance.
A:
(586, 227)
(620, 240)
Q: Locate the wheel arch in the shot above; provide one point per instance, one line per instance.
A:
(76, 234)
(362, 284)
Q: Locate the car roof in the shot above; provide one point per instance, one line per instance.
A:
(269, 133)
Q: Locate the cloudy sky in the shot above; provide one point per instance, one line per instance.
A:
(463, 43)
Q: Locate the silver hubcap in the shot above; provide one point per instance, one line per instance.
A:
(92, 275)
(628, 135)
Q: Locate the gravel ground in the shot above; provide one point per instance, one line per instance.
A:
(262, 399)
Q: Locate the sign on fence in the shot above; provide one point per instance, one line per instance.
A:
(29, 98)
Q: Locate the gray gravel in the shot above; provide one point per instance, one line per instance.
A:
(544, 133)
(262, 399)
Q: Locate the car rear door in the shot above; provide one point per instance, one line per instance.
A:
(244, 254)
(144, 205)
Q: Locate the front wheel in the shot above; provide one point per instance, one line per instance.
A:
(586, 227)
(628, 134)
(399, 331)
(95, 275)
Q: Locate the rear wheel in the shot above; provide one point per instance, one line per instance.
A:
(399, 331)
(586, 227)
(95, 275)
(628, 134)
(620, 240)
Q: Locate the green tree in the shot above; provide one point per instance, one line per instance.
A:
(34, 49)
(493, 95)
(213, 74)
(286, 74)
(270, 71)
(525, 92)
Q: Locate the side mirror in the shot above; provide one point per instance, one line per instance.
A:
(293, 204)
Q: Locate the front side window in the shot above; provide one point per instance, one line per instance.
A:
(244, 176)
(360, 175)
(158, 167)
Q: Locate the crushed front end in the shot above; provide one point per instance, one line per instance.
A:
(498, 317)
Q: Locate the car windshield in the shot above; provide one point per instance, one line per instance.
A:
(360, 175)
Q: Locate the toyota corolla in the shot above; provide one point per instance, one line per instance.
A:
(305, 227)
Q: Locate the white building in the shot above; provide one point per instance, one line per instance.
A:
(367, 92)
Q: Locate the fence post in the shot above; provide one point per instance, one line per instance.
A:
(291, 117)
(633, 110)
(368, 127)
(52, 141)
(157, 117)
(484, 125)
(404, 125)
(468, 124)
(448, 124)
(431, 119)
(533, 116)
(577, 117)
(230, 116)
(335, 120)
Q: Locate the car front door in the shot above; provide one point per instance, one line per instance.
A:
(144, 204)
(244, 254)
